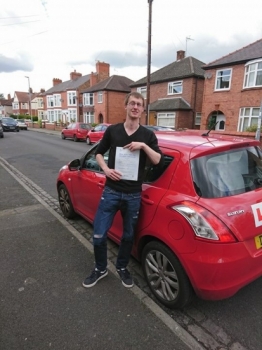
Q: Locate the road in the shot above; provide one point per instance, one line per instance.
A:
(234, 324)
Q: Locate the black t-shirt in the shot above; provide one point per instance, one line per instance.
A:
(116, 136)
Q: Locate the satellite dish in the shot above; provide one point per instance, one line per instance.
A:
(208, 75)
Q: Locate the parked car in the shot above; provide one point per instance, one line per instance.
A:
(158, 128)
(96, 133)
(22, 124)
(76, 131)
(199, 230)
(9, 124)
(1, 131)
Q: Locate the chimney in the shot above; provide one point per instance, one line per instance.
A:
(93, 79)
(56, 81)
(9, 97)
(74, 75)
(102, 70)
(42, 91)
(180, 55)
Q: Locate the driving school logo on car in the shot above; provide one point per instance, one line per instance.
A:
(257, 212)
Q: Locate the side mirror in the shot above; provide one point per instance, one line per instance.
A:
(74, 165)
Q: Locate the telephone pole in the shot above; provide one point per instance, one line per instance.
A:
(148, 61)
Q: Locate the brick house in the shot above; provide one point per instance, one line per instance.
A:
(104, 102)
(233, 90)
(176, 93)
(63, 102)
(6, 106)
(21, 103)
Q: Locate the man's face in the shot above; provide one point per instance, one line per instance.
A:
(134, 107)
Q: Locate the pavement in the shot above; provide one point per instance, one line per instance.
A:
(43, 304)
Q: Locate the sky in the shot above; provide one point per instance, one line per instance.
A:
(46, 39)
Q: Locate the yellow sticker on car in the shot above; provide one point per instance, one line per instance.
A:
(258, 241)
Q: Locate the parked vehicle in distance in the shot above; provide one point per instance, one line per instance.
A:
(22, 124)
(1, 131)
(9, 124)
(199, 229)
(96, 133)
(76, 131)
(158, 128)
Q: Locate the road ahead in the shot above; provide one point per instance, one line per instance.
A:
(234, 324)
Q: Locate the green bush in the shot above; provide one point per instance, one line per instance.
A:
(253, 128)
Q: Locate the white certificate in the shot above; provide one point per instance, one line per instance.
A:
(127, 163)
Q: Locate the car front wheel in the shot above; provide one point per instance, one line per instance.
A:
(63, 136)
(165, 276)
(65, 202)
(88, 141)
(75, 138)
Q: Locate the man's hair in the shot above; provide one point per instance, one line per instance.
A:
(136, 95)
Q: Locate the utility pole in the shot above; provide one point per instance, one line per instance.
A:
(30, 108)
(148, 61)
(257, 137)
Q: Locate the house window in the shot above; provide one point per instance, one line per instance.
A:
(175, 87)
(142, 91)
(100, 97)
(198, 119)
(253, 74)
(15, 105)
(166, 119)
(89, 117)
(71, 98)
(57, 100)
(223, 79)
(88, 99)
(248, 117)
(72, 115)
(50, 101)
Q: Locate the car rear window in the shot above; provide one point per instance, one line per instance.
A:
(84, 126)
(227, 173)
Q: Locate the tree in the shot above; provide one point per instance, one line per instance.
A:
(2, 96)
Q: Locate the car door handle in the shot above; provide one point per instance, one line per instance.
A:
(147, 200)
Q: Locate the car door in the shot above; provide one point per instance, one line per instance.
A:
(88, 185)
(67, 130)
(95, 134)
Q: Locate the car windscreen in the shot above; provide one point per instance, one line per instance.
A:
(227, 173)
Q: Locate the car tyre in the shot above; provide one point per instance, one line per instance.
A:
(165, 276)
(62, 136)
(88, 141)
(75, 138)
(65, 202)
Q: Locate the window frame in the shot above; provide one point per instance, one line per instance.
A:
(143, 91)
(248, 73)
(229, 81)
(171, 86)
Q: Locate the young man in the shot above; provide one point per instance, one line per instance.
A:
(129, 145)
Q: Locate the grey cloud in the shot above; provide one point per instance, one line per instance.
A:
(204, 48)
(9, 65)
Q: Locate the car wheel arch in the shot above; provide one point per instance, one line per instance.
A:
(185, 291)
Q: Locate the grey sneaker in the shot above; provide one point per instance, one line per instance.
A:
(126, 278)
(95, 276)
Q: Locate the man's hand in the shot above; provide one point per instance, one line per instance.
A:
(113, 174)
(133, 146)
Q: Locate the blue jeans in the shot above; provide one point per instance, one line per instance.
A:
(112, 201)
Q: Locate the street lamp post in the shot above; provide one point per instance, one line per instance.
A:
(148, 61)
(29, 92)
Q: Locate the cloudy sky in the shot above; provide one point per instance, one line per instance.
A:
(46, 39)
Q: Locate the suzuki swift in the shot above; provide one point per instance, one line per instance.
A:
(200, 223)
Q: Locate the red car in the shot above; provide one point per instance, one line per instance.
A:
(76, 131)
(96, 133)
(200, 224)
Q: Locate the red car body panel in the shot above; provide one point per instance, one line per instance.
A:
(78, 130)
(216, 269)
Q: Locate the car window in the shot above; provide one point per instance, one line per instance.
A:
(84, 126)
(227, 173)
(90, 161)
(153, 172)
